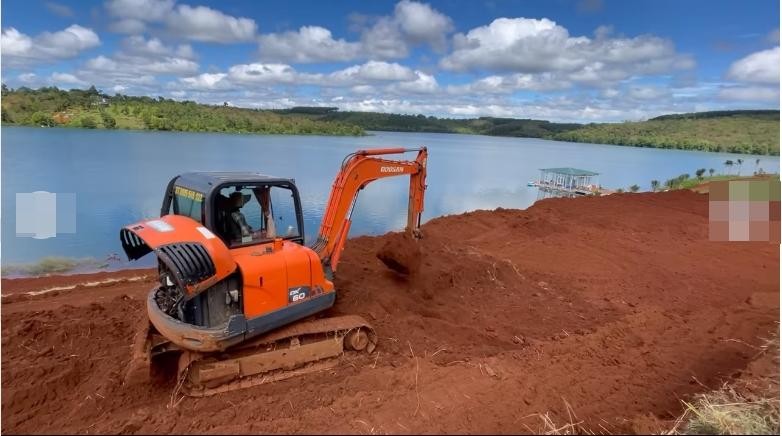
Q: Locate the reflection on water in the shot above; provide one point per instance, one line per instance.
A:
(119, 176)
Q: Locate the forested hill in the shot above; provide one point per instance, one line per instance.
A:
(753, 131)
(420, 123)
(49, 107)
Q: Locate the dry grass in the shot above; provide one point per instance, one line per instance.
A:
(728, 412)
(733, 410)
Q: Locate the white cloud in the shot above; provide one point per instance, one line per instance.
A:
(372, 76)
(527, 45)
(751, 93)
(28, 78)
(138, 45)
(123, 65)
(197, 23)
(309, 44)
(422, 24)
(386, 37)
(498, 84)
(205, 81)
(384, 40)
(61, 78)
(131, 16)
(19, 49)
(143, 10)
(129, 26)
(422, 84)
(259, 73)
(759, 67)
(411, 23)
(373, 71)
(205, 24)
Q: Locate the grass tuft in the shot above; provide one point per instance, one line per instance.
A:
(728, 412)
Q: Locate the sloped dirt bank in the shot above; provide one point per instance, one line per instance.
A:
(603, 312)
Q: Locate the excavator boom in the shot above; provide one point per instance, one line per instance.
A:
(358, 170)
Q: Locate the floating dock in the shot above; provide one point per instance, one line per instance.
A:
(567, 182)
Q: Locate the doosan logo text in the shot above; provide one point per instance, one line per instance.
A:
(391, 169)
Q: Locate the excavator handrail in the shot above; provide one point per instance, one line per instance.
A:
(357, 170)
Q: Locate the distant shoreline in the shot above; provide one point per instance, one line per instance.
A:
(369, 132)
(742, 131)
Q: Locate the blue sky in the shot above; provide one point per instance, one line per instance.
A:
(581, 60)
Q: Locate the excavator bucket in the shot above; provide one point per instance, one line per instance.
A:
(139, 368)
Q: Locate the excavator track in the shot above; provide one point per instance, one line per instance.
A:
(298, 349)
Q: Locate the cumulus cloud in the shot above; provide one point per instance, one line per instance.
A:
(373, 71)
(154, 47)
(422, 24)
(386, 37)
(197, 23)
(527, 45)
(384, 40)
(66, 78)
(205, 81)
(140, 56)
(362, 78)
(308, 44)
(205, 24)
(759, 67)
(131, 16)
(411, 23)
(19, 49)
(499, 84)
(28, 78)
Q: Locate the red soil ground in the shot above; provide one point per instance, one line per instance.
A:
(599, 311)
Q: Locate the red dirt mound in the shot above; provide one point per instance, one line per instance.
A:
(401, 253)
(604, 312)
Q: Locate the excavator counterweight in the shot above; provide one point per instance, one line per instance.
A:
(240, 295)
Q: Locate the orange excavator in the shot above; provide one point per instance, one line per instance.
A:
(237, 285)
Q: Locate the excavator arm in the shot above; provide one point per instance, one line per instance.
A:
(358, 170)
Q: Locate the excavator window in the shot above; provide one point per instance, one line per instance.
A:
(188, 203)
(252, 214)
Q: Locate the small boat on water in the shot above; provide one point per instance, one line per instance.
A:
(532, 183)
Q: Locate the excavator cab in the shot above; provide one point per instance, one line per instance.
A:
(241, 208)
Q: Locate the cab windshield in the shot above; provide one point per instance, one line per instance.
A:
(252, 214)
(188, 203)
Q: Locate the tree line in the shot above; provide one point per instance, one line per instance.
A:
(91, 108)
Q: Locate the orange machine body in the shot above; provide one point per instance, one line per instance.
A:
(263, 285)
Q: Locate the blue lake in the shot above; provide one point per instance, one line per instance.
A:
(118, 177)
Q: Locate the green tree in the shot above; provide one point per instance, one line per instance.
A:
(655, 184)
(711, 172)
(88, 122)
(108, 121)
(700, 173)
(635, 188)
(739, 162)
(41, 119)
(728, 164)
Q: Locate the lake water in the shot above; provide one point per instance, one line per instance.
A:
(118, 177)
